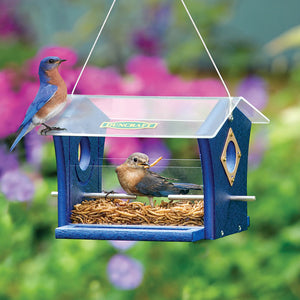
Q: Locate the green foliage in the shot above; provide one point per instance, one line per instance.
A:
(20, 52)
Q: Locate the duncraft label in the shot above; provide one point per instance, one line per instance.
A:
(128, 125)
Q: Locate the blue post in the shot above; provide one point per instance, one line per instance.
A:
(222, 216)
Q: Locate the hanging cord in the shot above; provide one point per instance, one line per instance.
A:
(197, 31)
(92, 49)
(209, 55)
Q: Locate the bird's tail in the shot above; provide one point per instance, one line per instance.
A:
(188, 186)
(21, 132)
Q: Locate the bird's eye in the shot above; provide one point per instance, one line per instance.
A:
(51, 60)
(135, 159)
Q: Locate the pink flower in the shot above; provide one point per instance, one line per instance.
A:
(155, 79)
(96, 81)
(152, 74)
(148, 68)
(208, 87)
(119, 149)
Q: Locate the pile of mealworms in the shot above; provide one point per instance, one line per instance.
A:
(120, 212)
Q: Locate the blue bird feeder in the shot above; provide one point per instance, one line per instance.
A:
(221, 127)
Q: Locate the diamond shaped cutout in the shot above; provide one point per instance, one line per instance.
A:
(231, 156)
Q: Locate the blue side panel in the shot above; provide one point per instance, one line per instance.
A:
(222, 216)
(61, 144)
(208, 183)
(138, 233)
(74, 178)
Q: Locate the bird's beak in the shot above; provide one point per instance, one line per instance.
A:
(145, 165)
(60, 61)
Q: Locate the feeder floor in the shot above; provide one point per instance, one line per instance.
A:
(120, 212)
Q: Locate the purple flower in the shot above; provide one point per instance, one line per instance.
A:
(257, 148)
(9, 21)
(124, 272)
(122, 245)
(149, 40)
(156, 148)
(146, 41)
(16, 185)
(8, 105)
(8, 160)
(254, 89)
(34, 149)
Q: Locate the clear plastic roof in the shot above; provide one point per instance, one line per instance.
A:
(151, 117)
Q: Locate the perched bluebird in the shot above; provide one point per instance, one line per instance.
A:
(136, 179)
(49, 101)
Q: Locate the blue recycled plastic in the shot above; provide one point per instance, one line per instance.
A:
(81, 174)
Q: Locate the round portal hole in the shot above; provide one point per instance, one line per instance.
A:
(230, 157)
(84, 153)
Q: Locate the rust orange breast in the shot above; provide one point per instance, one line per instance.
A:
(58, 98)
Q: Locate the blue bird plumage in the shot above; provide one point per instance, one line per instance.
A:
(136, 179)
(49, 101)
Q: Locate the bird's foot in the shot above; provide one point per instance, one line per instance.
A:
(49, 128)
(151, 202)
(107, 193)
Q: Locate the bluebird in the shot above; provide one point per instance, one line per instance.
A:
(136, 179)
(49, 101)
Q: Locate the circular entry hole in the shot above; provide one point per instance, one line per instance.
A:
(84, 153)
(230, 157)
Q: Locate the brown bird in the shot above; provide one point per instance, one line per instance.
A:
(136, 179)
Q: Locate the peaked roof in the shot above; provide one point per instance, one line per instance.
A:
(153, 117)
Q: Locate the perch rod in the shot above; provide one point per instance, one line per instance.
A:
(170, 197)
(108, 195)
(201, 197)
(242, 198)
(185, 197)
(102, 195)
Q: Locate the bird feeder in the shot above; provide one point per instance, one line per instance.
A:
(221, 127)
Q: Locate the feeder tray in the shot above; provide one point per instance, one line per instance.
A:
(120, 212)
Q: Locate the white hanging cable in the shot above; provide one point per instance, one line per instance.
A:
(209, 55)
(92, 49)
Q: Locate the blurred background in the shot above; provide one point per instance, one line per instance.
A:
(150, 48)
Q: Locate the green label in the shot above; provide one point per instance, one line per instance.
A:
(128, 125)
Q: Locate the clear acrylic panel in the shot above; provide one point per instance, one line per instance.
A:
(153, 117)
